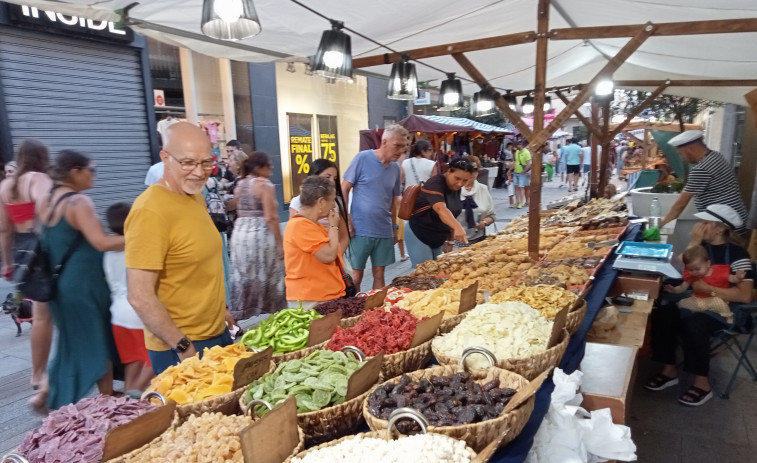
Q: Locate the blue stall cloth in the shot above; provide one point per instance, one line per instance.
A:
(517, 450)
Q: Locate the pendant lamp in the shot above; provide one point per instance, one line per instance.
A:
(604, 91)
(451, 94)
(482, 105)
(511, 101)
(229, 19)
(334, 56)
(403, 81)
(527, 104)
(547, 103)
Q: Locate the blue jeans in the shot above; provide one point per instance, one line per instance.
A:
(417, 249)
(162, 359)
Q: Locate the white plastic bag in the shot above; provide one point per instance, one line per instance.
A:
(570, 434)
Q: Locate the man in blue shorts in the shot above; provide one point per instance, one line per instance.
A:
(522, 177)
(573, 159)
(374, 179)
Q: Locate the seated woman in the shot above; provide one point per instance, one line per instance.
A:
(433, 223)
(312, 256)
(478, 210)
(671, 323)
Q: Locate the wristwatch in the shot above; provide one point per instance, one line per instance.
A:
(182, 345)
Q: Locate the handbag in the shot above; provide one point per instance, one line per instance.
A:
(407, 204)
(32, 273)
(350, 290)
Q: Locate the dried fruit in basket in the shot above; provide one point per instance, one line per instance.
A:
(205, 438)
(546, 299)
(429, 303)
(421, 448)
(509, 330)
(391, 330)
(287, 331)
(76, 433)
(452, 400)
(350, 307)
(195, 379)
(316, 381)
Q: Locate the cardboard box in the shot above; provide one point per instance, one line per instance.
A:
(609, 372)
(626, 282)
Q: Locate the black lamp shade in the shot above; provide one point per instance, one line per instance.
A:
(511, 101)
(451, 94)
(403, 82)
(229, 19)
(527, 105)
(482, 104)
(334, 56)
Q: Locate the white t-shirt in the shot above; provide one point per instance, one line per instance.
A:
(154, 173)
(121, 312)
(587, 154)
(423, 167)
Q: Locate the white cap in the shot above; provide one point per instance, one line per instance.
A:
(721, 213)
(683, 139)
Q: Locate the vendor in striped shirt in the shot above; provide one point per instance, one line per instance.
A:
(711, 179)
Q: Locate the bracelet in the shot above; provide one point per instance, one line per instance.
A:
(449, 242)
(334, 226)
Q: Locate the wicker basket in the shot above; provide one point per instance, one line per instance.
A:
(476, 435)
(373, 434)
(528, 367)
(329, 423)
(349, 322)
(300, 446)
(574, 318)
(450, 323)
(406, 361)
(210, 404)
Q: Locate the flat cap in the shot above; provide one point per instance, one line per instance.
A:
(683, 139)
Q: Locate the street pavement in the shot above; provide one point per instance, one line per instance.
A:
(17, 417)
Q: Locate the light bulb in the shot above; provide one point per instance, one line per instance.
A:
(451, 99)
(528, 108)
(547, 106)
(228, 10)
(333, 59)
(484, 106)
(604, 87)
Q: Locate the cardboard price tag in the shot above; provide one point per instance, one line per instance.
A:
(273, 438)
(363, 378)
(468, 298)
(249, 369)
(375, 300)
(523, 395)
(138, 432)
(426, 329)
(323, 328)
(557, 328)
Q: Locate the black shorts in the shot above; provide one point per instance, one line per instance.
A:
(574, 168)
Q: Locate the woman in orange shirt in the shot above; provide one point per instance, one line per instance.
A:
(312, 256)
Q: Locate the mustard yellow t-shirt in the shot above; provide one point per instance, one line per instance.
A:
(174, 234)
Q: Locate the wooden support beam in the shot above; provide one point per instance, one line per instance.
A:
(540, 79)
(604, 154)
(447, 49)
(499, 100)
(688, 83)
(594, 153)
(612, 65)
(576, 87)
(585, 120)
(644, 104)
(719, 26)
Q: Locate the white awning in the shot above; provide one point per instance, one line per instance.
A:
(461, 121)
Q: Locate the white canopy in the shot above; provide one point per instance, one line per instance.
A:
(290, 32)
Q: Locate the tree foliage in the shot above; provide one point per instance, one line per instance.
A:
(664, 108)
(496, 119)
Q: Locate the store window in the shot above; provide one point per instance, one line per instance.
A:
(240, 77)
(165, 70)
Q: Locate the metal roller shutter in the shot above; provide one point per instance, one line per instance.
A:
(80, 95)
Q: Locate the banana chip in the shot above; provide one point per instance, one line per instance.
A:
(546, 299)
(430, 302)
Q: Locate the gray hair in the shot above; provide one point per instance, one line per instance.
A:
(314, 188)
(395, 130)
(239, 156)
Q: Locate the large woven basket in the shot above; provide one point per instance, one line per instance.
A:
(574, 318)
(300, 446)
(476, 435)
(210, 404)
(449, 323)
(528, 367)
(329, 423)
(406, 361)
(349, 322)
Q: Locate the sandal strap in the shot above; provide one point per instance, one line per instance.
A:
(697, 392)
(659, 380)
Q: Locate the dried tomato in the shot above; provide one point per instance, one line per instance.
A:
(379, 329)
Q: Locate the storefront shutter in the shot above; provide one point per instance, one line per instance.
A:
(81, 95)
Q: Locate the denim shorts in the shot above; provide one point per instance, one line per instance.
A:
(380, 250)
(162, 359)
(522, 180)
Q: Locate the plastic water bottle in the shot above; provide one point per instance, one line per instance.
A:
(655, 210)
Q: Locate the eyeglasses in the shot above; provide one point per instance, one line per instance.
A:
(189, 165)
